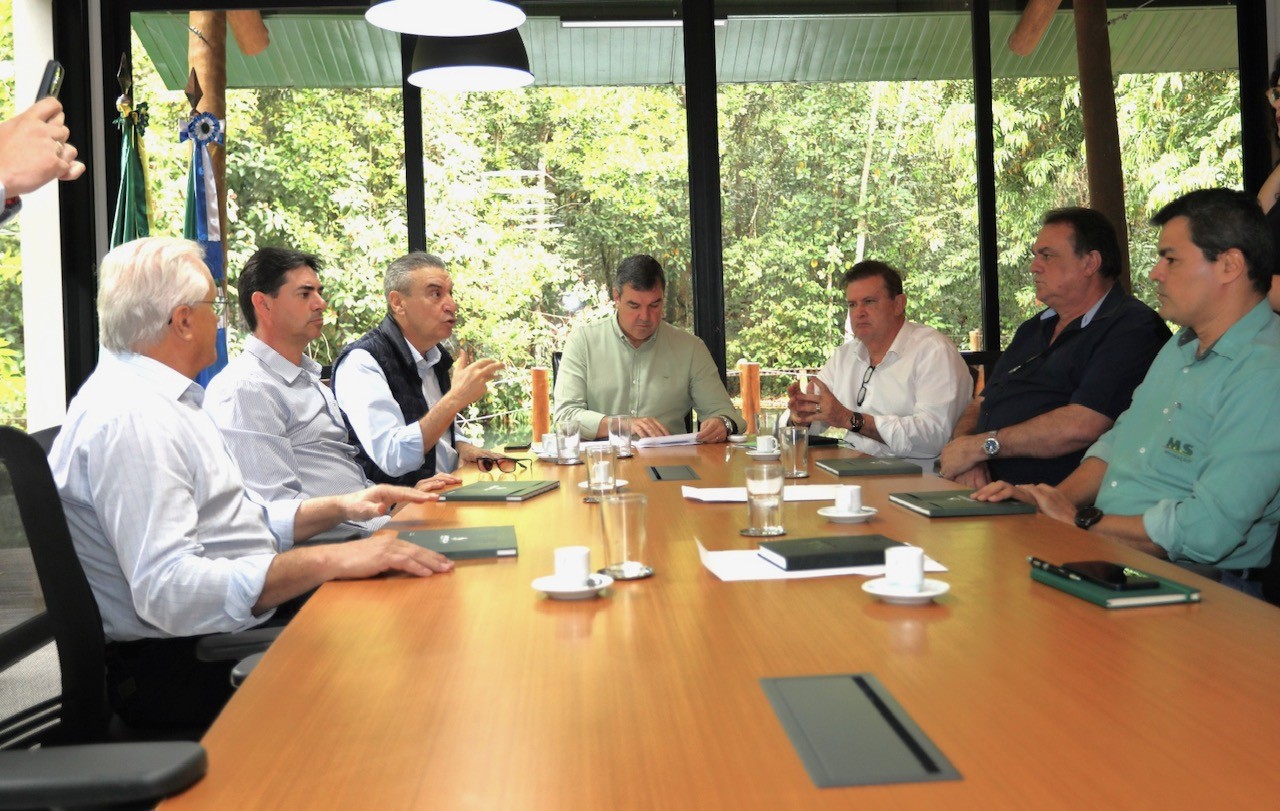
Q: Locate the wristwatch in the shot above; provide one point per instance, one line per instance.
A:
(856, 422)
(991, 445)
(729, 427)
(1088, 516)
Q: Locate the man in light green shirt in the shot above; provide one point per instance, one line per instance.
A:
(636, 364)
(1191, 471)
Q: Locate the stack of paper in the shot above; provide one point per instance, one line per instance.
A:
(663, 441)
(791, 492)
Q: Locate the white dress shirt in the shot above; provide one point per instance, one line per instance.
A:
(283, 427)
(171, 541)
(916, 394)
(377, 420)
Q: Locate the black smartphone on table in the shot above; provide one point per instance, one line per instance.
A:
(51, 82)
(1111, 575)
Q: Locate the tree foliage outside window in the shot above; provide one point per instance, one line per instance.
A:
(534, 196)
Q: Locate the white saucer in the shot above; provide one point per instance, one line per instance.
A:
(830, 514)
(892, 594)
(765, 454)
(737, 438)
(556, 590)
(618, 484)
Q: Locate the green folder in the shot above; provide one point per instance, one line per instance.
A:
(870, 466)
(499, 491)
(1169, 591)
(465, 543)
(956, 503)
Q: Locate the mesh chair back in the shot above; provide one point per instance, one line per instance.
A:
(46, 598)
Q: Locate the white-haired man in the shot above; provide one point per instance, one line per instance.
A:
(173, 545)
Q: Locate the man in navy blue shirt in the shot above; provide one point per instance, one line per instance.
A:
(1068, 372)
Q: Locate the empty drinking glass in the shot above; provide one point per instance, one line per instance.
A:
(569, 441)
(764, 500)
(620, 434)
(794, 441)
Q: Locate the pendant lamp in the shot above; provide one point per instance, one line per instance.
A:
(445, 18)
(460, 64)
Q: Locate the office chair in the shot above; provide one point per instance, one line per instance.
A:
(45, 437)
(48, 601)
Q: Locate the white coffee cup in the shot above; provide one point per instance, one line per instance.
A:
(550, 445)
(573, 565)
(766, 443)
(849, 498)
(904, 567)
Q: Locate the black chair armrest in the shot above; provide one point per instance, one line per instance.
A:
(98, 774)
(237, 646)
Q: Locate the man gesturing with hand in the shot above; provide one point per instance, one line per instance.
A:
(394, 385)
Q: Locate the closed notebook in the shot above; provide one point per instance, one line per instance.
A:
(499, 491)
(956, 503)
(1169, 591)
(870, 466)
(827, 553)
(463, 543)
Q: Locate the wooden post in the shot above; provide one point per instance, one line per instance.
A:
(749, 384)
(1032, 24)
(540, 419)
(207, 55)
(1101, 132)
(250, 31)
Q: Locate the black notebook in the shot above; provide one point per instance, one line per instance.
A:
(464, 543)
(870, 466)
(499, 491)
(827, 553)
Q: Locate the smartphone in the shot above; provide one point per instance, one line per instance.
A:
(521, 447)
(1111, 575)
(51, 82)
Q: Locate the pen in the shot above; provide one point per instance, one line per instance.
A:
(1045, 565)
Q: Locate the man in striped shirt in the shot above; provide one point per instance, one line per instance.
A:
(279, 420)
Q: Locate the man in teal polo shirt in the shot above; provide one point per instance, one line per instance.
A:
(636, 364)
(1191, 471)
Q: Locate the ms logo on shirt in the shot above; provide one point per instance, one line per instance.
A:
(1182, 450)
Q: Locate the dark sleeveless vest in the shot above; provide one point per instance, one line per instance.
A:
(386, 343)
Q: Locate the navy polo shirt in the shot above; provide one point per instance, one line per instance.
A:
(1096, 364)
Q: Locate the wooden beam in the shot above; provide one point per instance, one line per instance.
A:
(1032, 24)
(1101, 131)
(250, 31)
(207, 56)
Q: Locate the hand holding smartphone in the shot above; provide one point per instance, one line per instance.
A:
(51, 82)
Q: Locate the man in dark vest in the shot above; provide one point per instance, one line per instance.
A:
(394, 386)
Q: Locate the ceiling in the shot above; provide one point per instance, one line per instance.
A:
(342, 50)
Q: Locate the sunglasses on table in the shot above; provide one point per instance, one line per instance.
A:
(503, 464)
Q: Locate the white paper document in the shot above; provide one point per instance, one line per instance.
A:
(663, 441)
(746, 564)
(790, 492)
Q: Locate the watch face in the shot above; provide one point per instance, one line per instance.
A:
(991, 446)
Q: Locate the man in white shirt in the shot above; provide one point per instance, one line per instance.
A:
(394, 385)
(898, 388)
(172, 543)
(278, 418)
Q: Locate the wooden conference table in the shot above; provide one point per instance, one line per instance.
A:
(471, 690)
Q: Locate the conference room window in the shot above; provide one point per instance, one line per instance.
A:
(845, 138)
(314, 167)
(1177, 101)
